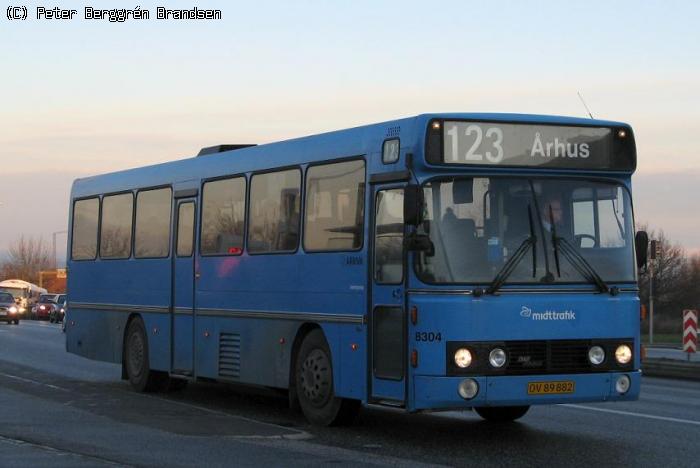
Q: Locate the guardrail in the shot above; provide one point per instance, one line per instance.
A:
(673, 368)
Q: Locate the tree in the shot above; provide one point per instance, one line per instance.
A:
(676, 283)
(27, 256)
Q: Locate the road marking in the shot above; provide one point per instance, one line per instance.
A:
(35, 382)
(629, 413)
(300, 435)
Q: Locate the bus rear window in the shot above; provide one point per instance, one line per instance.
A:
(85, 218)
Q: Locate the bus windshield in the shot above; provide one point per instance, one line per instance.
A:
(17, 293)
(477, 224)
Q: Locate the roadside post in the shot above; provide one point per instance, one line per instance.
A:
(654, 246)
(690, 331)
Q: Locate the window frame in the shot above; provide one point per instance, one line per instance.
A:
(97, 233)
(199, 217)
(301, 209)
(133, 222)
(135, 217)
(364, 204)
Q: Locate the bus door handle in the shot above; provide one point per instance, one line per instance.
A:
(197, 275)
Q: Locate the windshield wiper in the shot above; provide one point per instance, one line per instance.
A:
(579, 262)
(508, 268)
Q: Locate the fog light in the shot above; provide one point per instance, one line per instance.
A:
(497, 357)
(622, 385)
(596, 355)
(463, 358)
(468, 388)
(623, 354)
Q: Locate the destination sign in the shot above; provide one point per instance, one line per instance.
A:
(527, 145)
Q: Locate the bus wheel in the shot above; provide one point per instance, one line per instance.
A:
(313, 374)
(141, 377)
(502, 413)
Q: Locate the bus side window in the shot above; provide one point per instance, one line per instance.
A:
(388, 237)
(152, 232)
(274, 212)
(334, 206)
(223, 215)
(115, 229)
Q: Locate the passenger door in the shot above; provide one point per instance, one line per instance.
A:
(387, 315)
(183, 287)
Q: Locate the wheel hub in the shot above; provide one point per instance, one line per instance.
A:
(316, 377)
(136, 354)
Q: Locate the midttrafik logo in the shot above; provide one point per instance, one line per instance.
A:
(547, 314)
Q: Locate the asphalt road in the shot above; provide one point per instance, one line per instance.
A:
(58, 409)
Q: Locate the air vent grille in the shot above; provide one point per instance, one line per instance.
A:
(230, 355)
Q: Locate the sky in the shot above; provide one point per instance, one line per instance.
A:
(83, 97)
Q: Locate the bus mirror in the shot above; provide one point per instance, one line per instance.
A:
(413, 205)
(641, 242)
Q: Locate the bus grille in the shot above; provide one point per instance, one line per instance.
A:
(230, 355)
(539, 357)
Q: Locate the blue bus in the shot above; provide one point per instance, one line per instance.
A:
(438, 262)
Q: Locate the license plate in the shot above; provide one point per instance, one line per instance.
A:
(551, 388)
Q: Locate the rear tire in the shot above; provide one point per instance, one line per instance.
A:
(502, 413)
(136, 360)
(313, 378)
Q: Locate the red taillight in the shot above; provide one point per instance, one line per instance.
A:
(235, 250)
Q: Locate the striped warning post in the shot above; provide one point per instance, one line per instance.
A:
(690, 331)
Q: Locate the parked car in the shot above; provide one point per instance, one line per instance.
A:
(9, 311)
(44, 306)
(57, 313)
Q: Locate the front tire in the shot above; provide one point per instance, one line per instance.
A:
(502, 413)
(136, 360)
(313, 377)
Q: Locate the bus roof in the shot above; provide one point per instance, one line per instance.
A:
(20, 284)
(308, 149)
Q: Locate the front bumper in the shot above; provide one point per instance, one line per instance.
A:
(431, 392)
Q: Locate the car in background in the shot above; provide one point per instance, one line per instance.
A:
(9, 310)
(44, 306)
(57, 313)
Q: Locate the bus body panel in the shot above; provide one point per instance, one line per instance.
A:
(517, 317)
(441, 392)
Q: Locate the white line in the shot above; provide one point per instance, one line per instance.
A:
(638, 415)
(35, 382)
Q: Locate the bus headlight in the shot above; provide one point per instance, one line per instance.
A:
(463, 358)
(623, 354)
(497, 357)
(622, 385)
(468, 388)
(596, 355)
